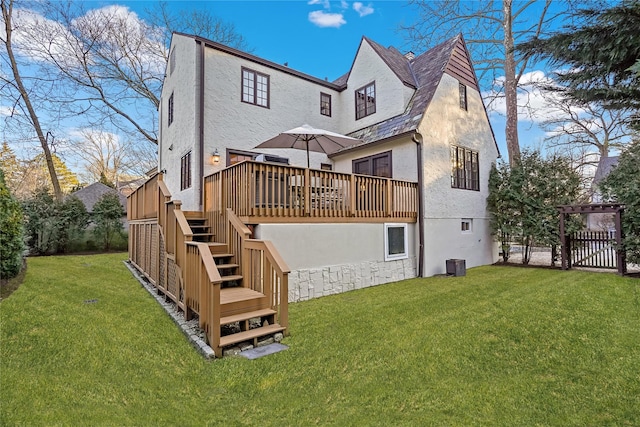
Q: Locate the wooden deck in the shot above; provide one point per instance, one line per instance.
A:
(207, 262)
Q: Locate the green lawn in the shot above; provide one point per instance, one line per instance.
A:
(502, 346)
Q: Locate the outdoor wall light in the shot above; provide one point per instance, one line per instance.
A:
(215, 157)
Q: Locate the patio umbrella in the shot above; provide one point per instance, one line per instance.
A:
(309, 138)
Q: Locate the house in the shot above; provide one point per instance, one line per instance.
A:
(601, 221)
(92, 193)
(400, 202)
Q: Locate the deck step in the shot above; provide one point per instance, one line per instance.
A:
(225, 266)
(225, 255)
(231, 278)
(238, 294)
(250, 334)
(246, 316)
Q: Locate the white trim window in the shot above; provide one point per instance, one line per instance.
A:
(466, 226)
(396, 241)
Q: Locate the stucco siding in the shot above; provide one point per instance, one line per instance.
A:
(238, 125)
(445, 206)
(403, 158)
(179, 137)
(391, 94)
(326, 259)
(444, 240)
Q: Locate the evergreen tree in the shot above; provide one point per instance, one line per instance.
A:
(11, 232)
(623, 185)
(599, 58)
(107, 216)
(523, 200)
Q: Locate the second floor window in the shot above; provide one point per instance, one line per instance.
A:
(255, 88)
(185, 171)
(366, 100)
(376, 165)
(325, 104)
(464, 168)
(170, 110)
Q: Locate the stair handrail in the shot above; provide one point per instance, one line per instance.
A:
(237, 234)
(274, 277)
(203, 282)
(276, 289)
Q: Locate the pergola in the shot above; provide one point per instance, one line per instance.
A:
(615, 208)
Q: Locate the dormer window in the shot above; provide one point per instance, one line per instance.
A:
(366, 100)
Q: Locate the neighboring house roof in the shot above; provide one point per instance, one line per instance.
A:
(423, 73)
(604, 167)
(90, 195)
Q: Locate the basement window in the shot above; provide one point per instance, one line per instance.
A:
(396, 242)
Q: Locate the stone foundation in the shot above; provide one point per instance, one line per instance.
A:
(305, 284)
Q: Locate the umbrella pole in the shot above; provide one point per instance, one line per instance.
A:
(308, 164)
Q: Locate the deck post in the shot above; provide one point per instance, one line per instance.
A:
(307, 192)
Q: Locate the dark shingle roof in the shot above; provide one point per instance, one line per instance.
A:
(425, 71)
(90, 195)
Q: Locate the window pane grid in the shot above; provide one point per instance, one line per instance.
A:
(365, 101)
(464, 169)
(255, 88)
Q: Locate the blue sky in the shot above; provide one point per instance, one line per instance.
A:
(317, 37)
(320, 37)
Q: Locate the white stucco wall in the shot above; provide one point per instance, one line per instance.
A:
(179, 137)
(403, 158)
(327, 259)
(391, 94)
(445, 207)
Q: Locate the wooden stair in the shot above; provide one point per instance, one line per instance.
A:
(200, 227)
(238, 305)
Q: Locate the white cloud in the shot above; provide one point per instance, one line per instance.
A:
(323, 19)
(534, 104)
(362, 9)
(324, 3)
(5, 111)
(344, 5)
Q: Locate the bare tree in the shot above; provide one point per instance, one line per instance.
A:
(491, 30)
(104, 155)
(201, 23)
(103, 68)
(21, 95)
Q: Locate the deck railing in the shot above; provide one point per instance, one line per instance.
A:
(263, 269)
(161, 247)
(263, 192)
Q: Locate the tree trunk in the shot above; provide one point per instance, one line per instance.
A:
(7, 8)
(510, 87)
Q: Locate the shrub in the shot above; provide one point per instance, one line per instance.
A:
(11, 232)
(107, 216)
(623, 185)
(51, 226)
(72, 221)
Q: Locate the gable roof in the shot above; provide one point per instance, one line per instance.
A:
(604, 167)
(90, 195)
(249, 57)
(426, 71)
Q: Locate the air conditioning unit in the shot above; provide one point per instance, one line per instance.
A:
(272, 159)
